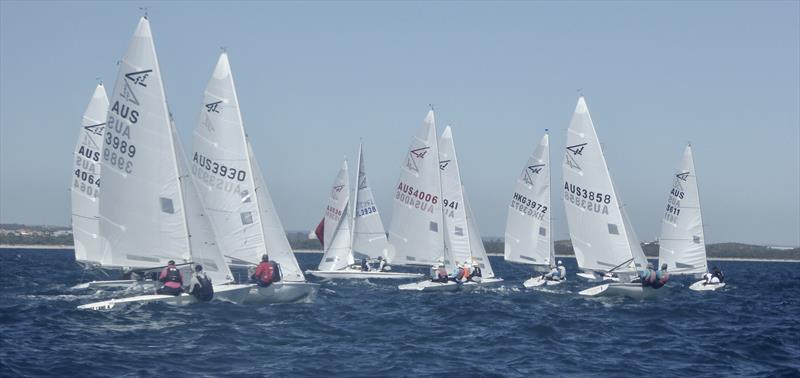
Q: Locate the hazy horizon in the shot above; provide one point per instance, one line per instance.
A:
(315, 78)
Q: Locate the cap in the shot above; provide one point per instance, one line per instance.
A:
(198, 267)
(171, 262)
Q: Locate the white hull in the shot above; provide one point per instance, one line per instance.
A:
(633, 290)
(429, 285)
(113, 284)
(539, 281)
(702, 286)
(228, 293)
(484, 282)
(283, 292)
(357, 274)
(595, 278)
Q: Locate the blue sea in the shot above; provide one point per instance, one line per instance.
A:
(370, 329)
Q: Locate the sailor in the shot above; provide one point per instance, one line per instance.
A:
(172, 280)
(718, 275)
(200, 285)
(662, 276)
(265, 272)
(439, 274)
(476, 271)
(459, 274)
(713, 278)
(364, 265)
(554, 274)
(562, 271)
(648, 276)
(381, 264)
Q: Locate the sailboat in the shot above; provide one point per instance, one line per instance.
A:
(416, 234)
(682, 241)
(601, 234)
(234, 193)
(462, 239)
(528, 238)
(362, 233)
(85, 190)
(150, 211)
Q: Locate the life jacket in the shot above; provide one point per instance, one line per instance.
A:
(276, 271)
(460, 274)
(476, 272)
(206, 291)
(173, 275)
(267, 274)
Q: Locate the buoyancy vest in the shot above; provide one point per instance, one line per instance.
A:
(173, 275)
(266, 273)
(206, 291)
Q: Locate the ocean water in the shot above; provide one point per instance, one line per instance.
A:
(370, 329)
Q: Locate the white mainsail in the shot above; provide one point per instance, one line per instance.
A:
(230, 183)
(337, 246)
(601, 234)
(369, 236)
(457, 238)
(416, 232)
(528, 237)
(682, 243)
(142, 213)
(85, 188)
(476, 242)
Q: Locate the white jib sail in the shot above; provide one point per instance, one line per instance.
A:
(275, 236)
(416, 231)
(596, 225)
(682, 243)
(220, 164)
(369, 236)
(85, 190)
(142, 220)
(527, 236)
(337, 252)
(476, 242)
(457, 236)
(203, 240)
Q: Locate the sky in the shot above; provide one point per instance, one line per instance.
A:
(315, 78)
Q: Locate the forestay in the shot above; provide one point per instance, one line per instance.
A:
(85, 190)
(527, 236)
(682, 243)
(142, 219)
(369, 236)
(337, 247)
(598, 231)
(416, 231)
(457, 238)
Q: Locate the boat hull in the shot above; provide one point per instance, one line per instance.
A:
(703, 286)
(113, 284)
(430, 286)
(632, 290)
(541, 282)
(227, 293)
(357, 274)
(484, 282)
(282, 292)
